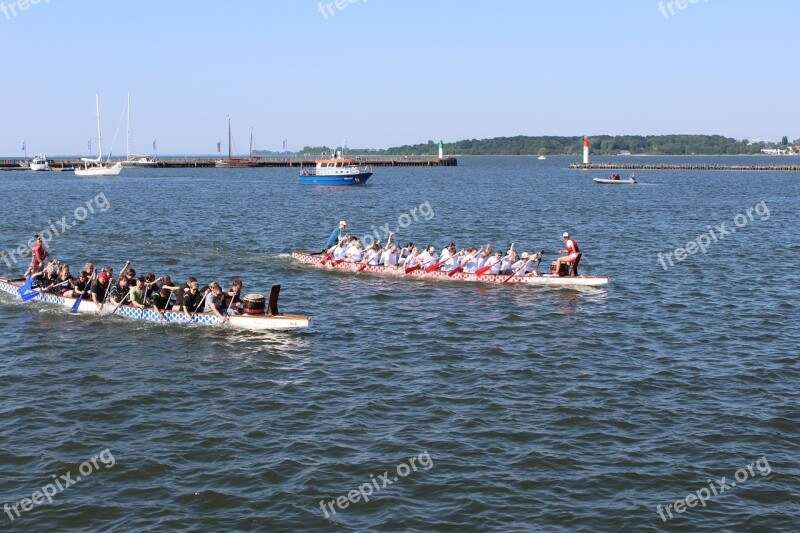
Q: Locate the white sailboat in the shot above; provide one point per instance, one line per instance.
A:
(133, 160)
(96, 167)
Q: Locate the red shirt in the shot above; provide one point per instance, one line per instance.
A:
(38, 253)
(571, 246)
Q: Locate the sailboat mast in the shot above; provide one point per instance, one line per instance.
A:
(99, 137)
(251, 141)
(229, 138)
(128, 134)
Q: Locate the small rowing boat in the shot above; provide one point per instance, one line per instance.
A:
(614, 180)
(544, 280)
(247, 321)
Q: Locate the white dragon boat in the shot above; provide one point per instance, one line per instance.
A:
(262, 321)
(543, 280)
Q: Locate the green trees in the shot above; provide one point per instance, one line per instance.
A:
(599, 145)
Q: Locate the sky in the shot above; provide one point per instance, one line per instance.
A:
(383, 73)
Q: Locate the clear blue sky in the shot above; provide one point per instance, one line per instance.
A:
(382, 73)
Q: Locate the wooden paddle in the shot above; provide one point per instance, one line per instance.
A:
(409, 270)
(436, 265)
(483, 270)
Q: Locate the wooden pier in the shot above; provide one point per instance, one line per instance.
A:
(270, 162)
(668, 166)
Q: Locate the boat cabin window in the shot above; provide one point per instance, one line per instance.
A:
(339, 165)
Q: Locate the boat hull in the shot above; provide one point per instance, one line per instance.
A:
(341, 179)
(99, 171)
(545, 280)
(249, 322)
(604, 181)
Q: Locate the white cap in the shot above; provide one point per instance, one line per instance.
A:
(565, 235)
(342, 223)
(524, 255)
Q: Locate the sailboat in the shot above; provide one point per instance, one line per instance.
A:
(133, 160)
(96, 167)
(237, 162)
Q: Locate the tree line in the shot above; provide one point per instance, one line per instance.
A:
(598, 145)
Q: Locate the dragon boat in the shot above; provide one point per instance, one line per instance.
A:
(259, 319)
(543, 280)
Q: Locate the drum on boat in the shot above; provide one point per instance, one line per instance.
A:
(253, 304)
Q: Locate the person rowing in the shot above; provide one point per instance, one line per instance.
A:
(339, 251)
(428, 256)
(405, 251)
(372, 256)
(232, 299)
(190, 298)
(214, 302)
(138, 297)
(354, 252)
(508, 260)
(120, 291)
(475, 259)
(99, 289)
(524, 266)
(572, 257)
(81, 284)
(412, 260)
(162, 298)
(390, 254)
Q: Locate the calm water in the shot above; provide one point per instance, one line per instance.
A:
(524, 409)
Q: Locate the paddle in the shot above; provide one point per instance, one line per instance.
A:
(362, 267)
(409, 270)
(327, 257)
(26, 287)
(205, 295)
(436, 265)
(483, 270)
(464, 261)
(120, 303)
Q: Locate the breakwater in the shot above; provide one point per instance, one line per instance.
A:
(683, 166)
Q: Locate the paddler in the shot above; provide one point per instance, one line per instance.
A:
(573, 256)
(214, 302)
